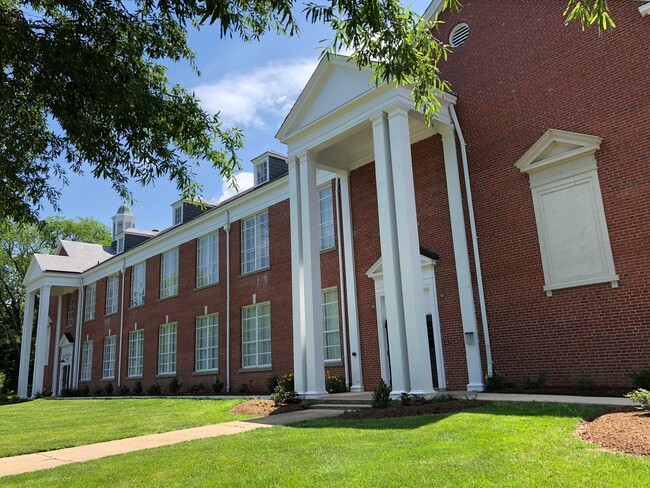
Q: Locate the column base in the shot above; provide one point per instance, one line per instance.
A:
(475, 387)
(357, 389)
(313, 395)
(426, 394)
(394, 395)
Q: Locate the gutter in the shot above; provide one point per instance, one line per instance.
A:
(227, 229)
(119, 364)
(344, 322)
(477, 259)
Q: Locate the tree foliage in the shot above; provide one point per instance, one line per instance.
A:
(83, 87)
(18, 242)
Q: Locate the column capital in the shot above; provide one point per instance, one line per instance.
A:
(343, 175)
(445, 130)
(398, 109)
(377, 119)
(44, 288)
(292, 161)
(307, 156)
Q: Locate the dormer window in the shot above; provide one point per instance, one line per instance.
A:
(178, 214)
(120, 245)
(262, 172)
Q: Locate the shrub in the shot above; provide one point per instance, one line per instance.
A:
(155, 389)
(175, 386)
(282, 397)
(98, 391)
(539, 382)
(334, 384)
(137, 388)
(305, 404)
(496, 382)
(122, 390)
(287, 382)
(642, 397)
(243, 389)
(109, 389)
(443, 397)
(381, 395)
(67, 392)
(3, 378)
(217, 386)
(412, 400)
(85, 390)
(641, 378)
(196, 388)
(585, 381)
(272, 381)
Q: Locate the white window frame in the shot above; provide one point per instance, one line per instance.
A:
(575, 249)
(86, 361)
(138, 284)
(326, 217)
(206, 345)
(120, 245)
(69, 322)
(169, 274)
(256, 335)
(90, 301)
(257, 256)
(112, 290)
(331, 325)
(262, 172)
(167, 342)
(108, 360)
(177, 214)
(136, 354)
(207, 260)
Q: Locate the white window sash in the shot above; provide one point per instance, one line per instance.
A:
(207, 343)
(167, 349)
(136, 353)
(256, 336)
(108, 364)
(86, 361)
(169, 274)
(138, 284)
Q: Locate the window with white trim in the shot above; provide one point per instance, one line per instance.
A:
(331, 330)
(256, 335)
(207, 260)
(207, 343)
(120, 245)
(255, 243)
(86, 361)
(167, 349)
(108, 364)
(136, 353)
(262, 172)
(138, 283)
(178, 214)
(169, 274)
(89, 302)
(112, 286)
(69, 322)
(326, 207)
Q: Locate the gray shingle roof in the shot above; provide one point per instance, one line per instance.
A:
(80, 257)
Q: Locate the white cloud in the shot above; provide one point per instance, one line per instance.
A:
(244, 182)
(263, 94)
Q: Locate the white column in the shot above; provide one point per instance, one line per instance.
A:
(42, 342)
(297, 291)
(313, 302)
(55, 362)
(461, 257)
(409, 252)
(351, 284)
(390, 257)
(26, 344)
(76, 363)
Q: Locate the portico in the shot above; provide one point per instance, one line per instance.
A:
(335, 130)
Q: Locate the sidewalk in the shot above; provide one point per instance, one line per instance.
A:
(51, 459)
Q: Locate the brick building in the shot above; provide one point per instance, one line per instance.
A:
(512, 235)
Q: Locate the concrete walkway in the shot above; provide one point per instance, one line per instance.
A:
(51, 459)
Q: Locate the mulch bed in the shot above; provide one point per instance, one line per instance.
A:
(263, 408)
(429, 408)
(623, 430)
(596, 391)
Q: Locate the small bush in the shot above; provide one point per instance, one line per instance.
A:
(641, 378)
(197, 388)
(585, 381)
(243, 389)
(122, 390)
(642, 397)
(272, 381)
(155, 389)
(443, 397)
(334, 384)
(3, 378)
(109, 389)
(175, 386)
(381, 395)
(539, 382)
(282, 397)
(98, 391)
(66, 392)
(305, 404)
(84, 391)
(217, 386)
(496, 382)
(287, 382)
(137, 388)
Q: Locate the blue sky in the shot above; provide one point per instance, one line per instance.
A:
(253, 85)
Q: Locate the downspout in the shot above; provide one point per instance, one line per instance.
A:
(477, 259)
(119, 364)
(76, 369)
(227, 229)
(344, 322)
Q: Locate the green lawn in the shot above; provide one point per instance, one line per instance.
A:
(504, 444)
(43, 425)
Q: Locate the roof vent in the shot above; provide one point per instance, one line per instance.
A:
(459, 35)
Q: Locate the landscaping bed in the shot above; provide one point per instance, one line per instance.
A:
(623, 430)
(263, 408)
(401, 411)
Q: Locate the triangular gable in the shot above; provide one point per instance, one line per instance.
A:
(334, 83)
(377, 269)
(555, 147)
(66, 340)
(34, 271)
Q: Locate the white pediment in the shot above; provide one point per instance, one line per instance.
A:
(66, 340)
(556, 147)
(34, 271)
(376, 271)
(334, 83)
